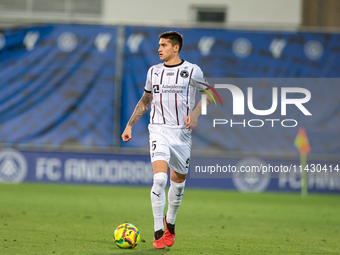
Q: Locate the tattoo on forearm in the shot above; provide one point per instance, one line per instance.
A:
(141, 108)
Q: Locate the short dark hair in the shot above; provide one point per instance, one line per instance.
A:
(175, 37)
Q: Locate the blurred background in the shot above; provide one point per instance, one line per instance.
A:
(72, 71)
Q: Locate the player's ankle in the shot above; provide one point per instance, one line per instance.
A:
(170, 227)
(158, 234)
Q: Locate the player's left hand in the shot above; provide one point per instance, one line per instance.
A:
(190, 122)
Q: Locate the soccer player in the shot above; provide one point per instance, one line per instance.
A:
(170, 91)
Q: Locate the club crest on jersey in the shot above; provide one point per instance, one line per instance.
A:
(184, 74)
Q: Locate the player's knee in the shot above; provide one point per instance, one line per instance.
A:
(160, 179)
(177, 186)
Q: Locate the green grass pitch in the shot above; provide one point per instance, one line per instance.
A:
(67, 219)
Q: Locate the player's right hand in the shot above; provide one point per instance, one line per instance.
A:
(126, 136)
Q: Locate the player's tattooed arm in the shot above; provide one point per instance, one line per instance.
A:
(209, 100)
(141, 108)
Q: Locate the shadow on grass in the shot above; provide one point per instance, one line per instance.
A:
(136, 251)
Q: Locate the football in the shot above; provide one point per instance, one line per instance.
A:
(126, 236)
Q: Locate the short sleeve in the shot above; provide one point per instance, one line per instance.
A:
(198, 74)
(198, 80)
(148, 83)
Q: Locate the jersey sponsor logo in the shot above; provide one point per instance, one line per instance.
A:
(184, 74)
(170, 74)
(155, 88)
(13, 166)
(173, 88)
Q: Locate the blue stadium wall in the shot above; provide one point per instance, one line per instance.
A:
(58, 90)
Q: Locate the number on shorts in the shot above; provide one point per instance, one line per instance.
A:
(153, 145)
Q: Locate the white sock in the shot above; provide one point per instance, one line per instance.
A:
(158, 199)
(175, 198)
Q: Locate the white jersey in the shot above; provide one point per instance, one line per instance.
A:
(173, 97)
